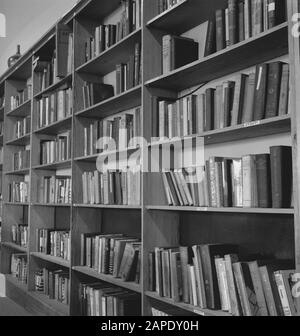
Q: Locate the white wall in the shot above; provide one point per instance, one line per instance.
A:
(27, 21)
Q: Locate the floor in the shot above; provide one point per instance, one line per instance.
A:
(9, 308)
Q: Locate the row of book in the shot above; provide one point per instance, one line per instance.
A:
(55, 107)
(253, 181)
(164, 5)
(19, 267)
(56, 150)
(213, 276)
(242, 20)
(107, 35)
(22, 96)
(20, 235)
(112, 187)
(45, 72)
(178, 51)
(21, 160)
(94, 93)
(257, 96)
(22, 127)
(54, 284)
(101, 299)
(115, 255)
(18, 192)
(54, 190)
(128, 75)
(121, 129)
(55, 243)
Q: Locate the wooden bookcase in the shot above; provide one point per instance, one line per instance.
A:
(267, 231)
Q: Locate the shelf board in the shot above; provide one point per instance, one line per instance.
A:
(20, 172)
(51, 205)
(56, 128)
(51, 259)
(16, 203)
(222, 210)
(277, 125)
(54, 86)
(122, 102)
(14, 246)
(22, 141)
(94, 157)
(108, 278)
(16, 282)
(271, 44)
(21, 111)
(187, 307)
(54, 166)
(116, 54)
(102, 206)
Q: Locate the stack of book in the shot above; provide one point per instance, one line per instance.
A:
(212, 276)
(178, 51)
(242, 20)
(21, 160)
(106, 36)
(94, 93)
(54, 284)
(253, 181)
(55, 107)
(260, 95)
(54, 243)
(46, 72)
(128, 75)
(164, 5)
(20, 235)
(19, 267)
(22, 127)
(115, 255)
(54, 190)
(22, 96)
(56, 150)
(18, 192)
(112, 187)
(104, 300)
(121, 129)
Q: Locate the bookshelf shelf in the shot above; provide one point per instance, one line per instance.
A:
(15, 247)
(56, 128)
(223, 210)
(116, 54)
(59, 308)
(41, 302)
(108, 278)
(51, 259)
(113, 105)
(21, 111)
(22, 141)
(56, 85)
(277, 125)
(51, 205)
(16, 204)
(271, 44)
(19, 172)
(187, 307)
(54, 166)
(93, 158)
(101, 206)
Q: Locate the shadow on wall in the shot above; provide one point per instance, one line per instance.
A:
(2, 285)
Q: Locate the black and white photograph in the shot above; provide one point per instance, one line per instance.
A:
(149, 161)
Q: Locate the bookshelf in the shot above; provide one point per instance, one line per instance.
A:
(266, 231)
